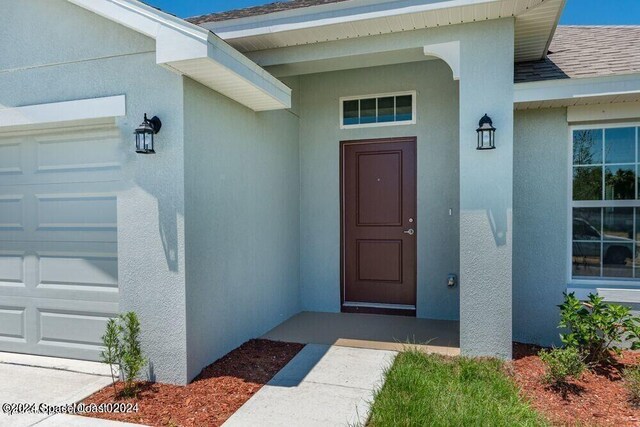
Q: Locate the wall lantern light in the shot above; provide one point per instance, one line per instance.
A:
(486, 134)
(144, 134)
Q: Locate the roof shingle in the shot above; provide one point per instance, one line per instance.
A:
(258, 10)
(586, 51)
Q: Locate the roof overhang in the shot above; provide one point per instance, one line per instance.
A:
(197, 53)
(577, 92)
(535, 23)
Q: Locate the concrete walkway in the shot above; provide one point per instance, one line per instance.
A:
(49, 380)
(322, 386)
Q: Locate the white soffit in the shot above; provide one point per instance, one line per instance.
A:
(535, 22)
(197, 53)
(577, 92)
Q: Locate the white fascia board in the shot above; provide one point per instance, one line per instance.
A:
(61, 112)
(179, 41)
(573, 89)
(302, 18)
(600, 113)
(140, 17)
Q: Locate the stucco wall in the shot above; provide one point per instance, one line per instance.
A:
(539, 223)
(242, 224)
(54, 51)
(437, 133)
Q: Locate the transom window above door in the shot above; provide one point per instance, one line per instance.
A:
(605, 204)
(378, 110)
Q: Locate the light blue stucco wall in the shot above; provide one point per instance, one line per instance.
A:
(54, 51)
(242, 223)
(539, 223)
(437, 134)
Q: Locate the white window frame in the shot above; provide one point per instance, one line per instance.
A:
(598, 282)
(414, 114)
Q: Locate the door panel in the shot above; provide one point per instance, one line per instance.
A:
(379, 224)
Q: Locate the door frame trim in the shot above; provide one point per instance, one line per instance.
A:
(370, 308)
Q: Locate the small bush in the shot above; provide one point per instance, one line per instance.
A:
(132, 360)
(122, 349)
(562, 363)
(632, 383)
(111, 353)
(596, 327)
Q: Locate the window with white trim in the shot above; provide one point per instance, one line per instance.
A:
(378, 110)
(605, 204)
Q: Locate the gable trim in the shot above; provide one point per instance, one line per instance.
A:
(197, 53)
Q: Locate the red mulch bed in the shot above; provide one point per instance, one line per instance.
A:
(598, 398)
(213, 396)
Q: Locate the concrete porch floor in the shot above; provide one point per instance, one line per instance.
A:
(371, 331)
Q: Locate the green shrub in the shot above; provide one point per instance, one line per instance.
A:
(111, 353)
(632, 382)
(122, 348)
(132, 360)
(562, 363)
(596, 327)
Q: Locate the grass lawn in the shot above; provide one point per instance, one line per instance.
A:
(431, 390)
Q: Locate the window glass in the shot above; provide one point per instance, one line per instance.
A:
(373, 110)
(620, 145)
(587, 183)
(620, 182)
(587, 147)
(587, 224)
(586, 259)
(606, 212)
(367, 110)
(386, 109)
(617, 260)
(617, 224)
(404, 108)
(351, 112)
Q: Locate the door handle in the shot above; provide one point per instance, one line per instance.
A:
(410, 232)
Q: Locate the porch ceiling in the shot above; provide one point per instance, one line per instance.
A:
(536, 21)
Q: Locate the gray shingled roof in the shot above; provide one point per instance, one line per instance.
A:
(259, 10)
(586, 51)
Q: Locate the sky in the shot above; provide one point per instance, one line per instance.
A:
(577, 12)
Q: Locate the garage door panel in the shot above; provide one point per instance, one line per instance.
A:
(12, 158)
(77, 212)
(59, 270)
(96, 155)
(67, 152)
(62, 328)
(58, 240)
(97, 271)
(12, 269)
(59, 212)
(11, 212)
(12, 324)
(54, 327)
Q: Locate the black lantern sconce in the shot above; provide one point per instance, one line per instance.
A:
(486, 134)
(145, 133)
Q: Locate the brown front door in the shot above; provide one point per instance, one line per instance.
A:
(379, 225)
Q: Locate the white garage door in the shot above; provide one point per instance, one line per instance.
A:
(58, 240)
